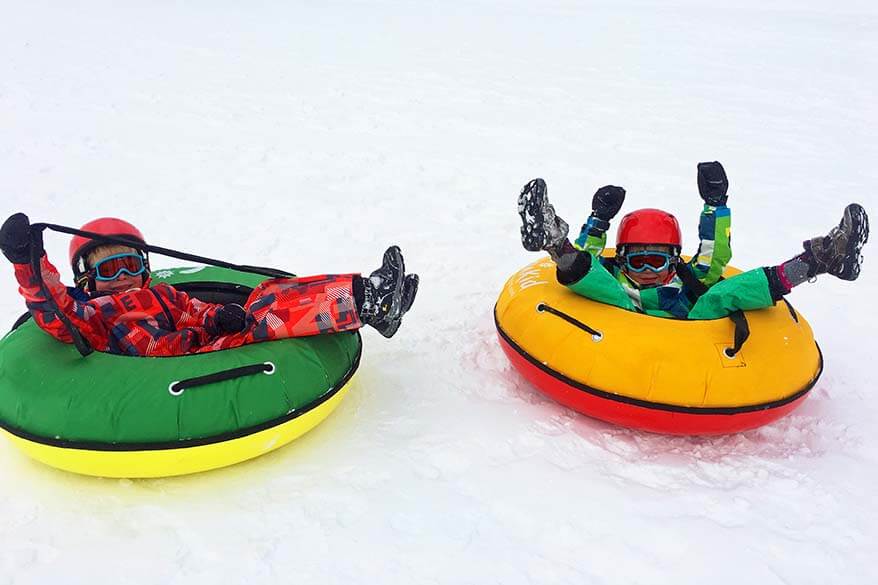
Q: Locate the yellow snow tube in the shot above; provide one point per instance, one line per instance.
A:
(664, 375)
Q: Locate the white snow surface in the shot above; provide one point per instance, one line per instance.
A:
(311, 135)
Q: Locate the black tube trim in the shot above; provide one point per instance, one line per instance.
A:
(20, 321)
(793, 313)
(696, 410)
(200, 286)
(186, 443)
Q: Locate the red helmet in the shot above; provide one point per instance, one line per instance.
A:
(80, 246)
(649, 226)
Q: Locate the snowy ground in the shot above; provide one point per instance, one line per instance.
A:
(310, 135)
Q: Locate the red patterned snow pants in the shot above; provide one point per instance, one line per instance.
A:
(295, 307)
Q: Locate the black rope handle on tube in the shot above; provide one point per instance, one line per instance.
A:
(177, 387)
(595, 334)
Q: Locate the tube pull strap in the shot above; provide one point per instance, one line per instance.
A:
(742, 332)
(271, 272)
(595, 334)
(176, 388)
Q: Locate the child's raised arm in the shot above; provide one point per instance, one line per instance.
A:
(39, 298)
(605, 204)
(40, 294)
(714, 226)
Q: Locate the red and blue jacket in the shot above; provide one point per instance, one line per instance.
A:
(163, 321)
(158, 320)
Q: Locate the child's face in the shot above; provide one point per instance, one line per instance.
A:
(121, 283)
(648, 277)
(118, 260)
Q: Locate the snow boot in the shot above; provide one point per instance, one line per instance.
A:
(383, 291)
(541, 229)
(388, 327)
(838, 252)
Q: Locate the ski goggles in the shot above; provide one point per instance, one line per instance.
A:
(646, 260)
(111, 267)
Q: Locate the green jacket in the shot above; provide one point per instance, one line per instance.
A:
(605, 281)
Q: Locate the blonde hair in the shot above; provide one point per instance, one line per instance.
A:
(102, 252)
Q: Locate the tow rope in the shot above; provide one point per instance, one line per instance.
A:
(78, 340)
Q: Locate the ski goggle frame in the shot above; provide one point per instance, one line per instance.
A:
(111, 267)
(648, 260)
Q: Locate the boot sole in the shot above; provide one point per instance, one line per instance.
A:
(530, 202)
(858, 238)
(409, 293)
(392, 326)
(393, 257)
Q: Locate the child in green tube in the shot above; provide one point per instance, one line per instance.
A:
(648, 275)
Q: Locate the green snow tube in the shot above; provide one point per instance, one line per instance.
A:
(119, 416)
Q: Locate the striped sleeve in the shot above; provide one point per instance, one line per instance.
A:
(189, 311)
(587, 242)
(714, 248)
(43, 295)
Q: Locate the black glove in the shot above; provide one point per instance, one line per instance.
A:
(605, 204)
(231, 318)
(15, 238)
(712, 183)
